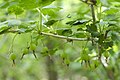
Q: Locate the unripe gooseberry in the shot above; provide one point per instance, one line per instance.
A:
(106, 54)
(32, 47)
(25, 51)
(45, 49)
(67, 62)
(13, 56)
(63, 55)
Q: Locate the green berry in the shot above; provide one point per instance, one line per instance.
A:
(45, 49)
(25, 51)
(32, 47)
(63, 55)
(106, 54)
(67, 62)
(13, 56)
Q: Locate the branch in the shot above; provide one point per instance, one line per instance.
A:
(93, 13)
(65, 37)
(54, 35)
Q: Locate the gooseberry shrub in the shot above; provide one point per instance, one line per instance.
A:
(92, 28)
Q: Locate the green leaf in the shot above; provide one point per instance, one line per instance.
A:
(70, 22)
(80, 29)
(83, 9)
(101, 39)
(111, 11)
(50, 22)
(46, 2)
(115, 36)
(51, 11)
(77, 22)
(59, 31)
(24, 25)
(117, 0)
(29, 4)
(95, 34)
(108, 44)
(67, 32)
(104, 2)
(109, 17)
(79, 35)
(22, 30)
(4, 5)
(14, 22)
(17, 10)
(3, 23)
(4, 29)
(91, 28)
(111, 51)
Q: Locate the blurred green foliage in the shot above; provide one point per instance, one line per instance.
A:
(36, 55)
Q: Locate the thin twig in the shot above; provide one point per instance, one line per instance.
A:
(93, 13)
(65, 37)
(54, 35)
